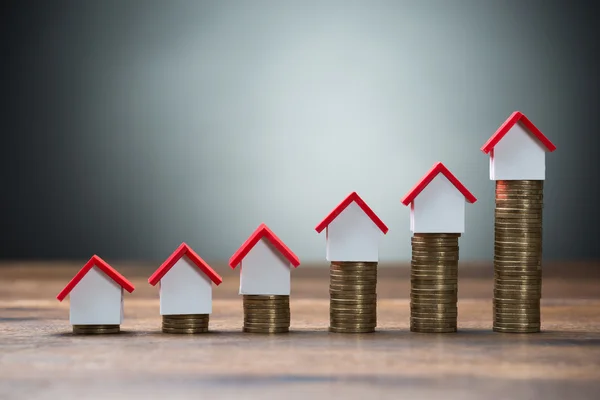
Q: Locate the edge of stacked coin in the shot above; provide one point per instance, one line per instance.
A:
(434, 282)
(353, 297)
(185, 323)
(518, 256)
(96, 329)
(266, 313)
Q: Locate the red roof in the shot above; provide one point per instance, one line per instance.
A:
(515, 117)
(352, 197)
(260, 232)
(184, 250)
(426, 180)
(104, 267)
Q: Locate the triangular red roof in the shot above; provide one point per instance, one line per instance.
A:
(515, 117)
(352, 197)
(260, 232)
(184, 250)
(104, 267)
(426, 180)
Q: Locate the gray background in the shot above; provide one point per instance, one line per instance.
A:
(131, 126)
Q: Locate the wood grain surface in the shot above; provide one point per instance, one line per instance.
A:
(41, 359)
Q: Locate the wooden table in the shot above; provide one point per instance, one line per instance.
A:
(41, 359)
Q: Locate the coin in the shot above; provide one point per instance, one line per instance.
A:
(266, 330)
(95, 329)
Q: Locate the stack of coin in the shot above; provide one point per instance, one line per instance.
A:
(518, 256)
(353, 297)
(95, 329)
(266, 313)
(185, 323)
(434, 282)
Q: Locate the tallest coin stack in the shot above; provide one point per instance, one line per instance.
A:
(518, 256)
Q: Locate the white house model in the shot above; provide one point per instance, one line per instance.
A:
(265, 263)
(96, 294)
(437, 202)
(185, 283)
(518, 150)
(353, 231)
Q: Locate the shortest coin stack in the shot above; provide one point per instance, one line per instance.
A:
(95, 329)
(266, 313)
(353, 297)
(185, 323)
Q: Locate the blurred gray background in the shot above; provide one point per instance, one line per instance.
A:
(131, 126)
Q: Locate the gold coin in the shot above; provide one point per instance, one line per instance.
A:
(523, 323)
(525, 307)
(370, 297)
(438, 254)
(187, 316)
(96, 329)
(356, 282)
(517, 314)
(516, 302)
(176, 320)
(425, 299)
(341, 320)
(266, 324)
(188, 323)
(537, 282)
(415, 327)
(516, 213)
(349, 266)
(441, 288)
(518, 265)
(437, 235)
(432, 330)
(184, 330)
(265, 304)
(350, 303)
(512, 330)
(434, 266)
(267, 318)
(434, 307)
(350, 330)
(266, 330)
(435, 316)
(434, 247)
(518, 236)
(353, 327)
(345, 277)
(353, 313)
(515, 288)
(361, 287)
(432, 242)
(433, 280)
(515, 223)
(516, 244)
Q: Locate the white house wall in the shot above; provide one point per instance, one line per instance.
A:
(185, 289)
(439, 208)
(96, 300)
(518, 156)
(353, 236)
(265, 271)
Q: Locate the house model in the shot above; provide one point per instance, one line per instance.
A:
(353, 231)
(96, 294)
(437, 202)
(265, 263)
(185, 283)
(518, 150)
